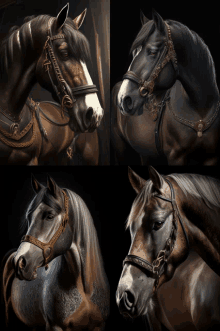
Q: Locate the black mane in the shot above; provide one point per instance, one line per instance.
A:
(77, 42)
(195, 43)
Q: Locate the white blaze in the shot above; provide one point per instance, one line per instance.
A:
(23, 248)
(124, 85)
(91, 99)
(125, 282)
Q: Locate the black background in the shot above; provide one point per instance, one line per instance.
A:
(108, 195)
(203, 18)
(106, 190)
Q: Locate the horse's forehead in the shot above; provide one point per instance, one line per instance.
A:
(156, 36)
(41, 207)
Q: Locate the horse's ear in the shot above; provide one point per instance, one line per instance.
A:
(136, 181)
(62, 16)
(143, 18)
(35, 184)
(159, 22)
(158, 182)
(78, 21)
(52, 186)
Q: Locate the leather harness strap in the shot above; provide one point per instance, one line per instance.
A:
(157, 126)
(146, 86)
(156, 268)
(48, 247)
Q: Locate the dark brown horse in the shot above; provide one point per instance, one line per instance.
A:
(170, 216)
(166, 109)
(53, 52)
(55, 279)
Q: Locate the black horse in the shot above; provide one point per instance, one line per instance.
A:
(167, 107)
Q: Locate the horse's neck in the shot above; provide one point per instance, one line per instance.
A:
(15, 92)
(204, 233)
(198, 81)
(74, 265)
(181, 102)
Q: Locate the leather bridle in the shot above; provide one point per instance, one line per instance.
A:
(157, 267)
(146, 86)
(63, 91)
(48, 247)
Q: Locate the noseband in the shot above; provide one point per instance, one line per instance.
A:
(156, 269)
(48, 247)
(64, 93)
(168, 54)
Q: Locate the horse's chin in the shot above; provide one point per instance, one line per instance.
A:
(74, 126)
(27, 277)
(135, 312)
(135, 112)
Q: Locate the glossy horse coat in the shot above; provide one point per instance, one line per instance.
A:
(182, 111)
(150, 223)
(72, 293)
(25, 61)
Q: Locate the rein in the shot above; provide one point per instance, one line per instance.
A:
(146, 86)
(48, 247)
(64, 93)
(157, 267)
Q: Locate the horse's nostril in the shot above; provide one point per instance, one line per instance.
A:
(21, 262)
(89, 114)
(129, 297)
(128, 102)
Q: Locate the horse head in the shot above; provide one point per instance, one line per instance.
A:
(153, 68)
(49, 234)
(159, 243)
(61, 68)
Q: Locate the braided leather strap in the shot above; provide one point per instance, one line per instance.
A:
(50, 59)
(146, 86)
(48, 247)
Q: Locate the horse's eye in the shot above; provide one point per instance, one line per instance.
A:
(64, 53)
(50, 217)
(152, 52)
(157, 225)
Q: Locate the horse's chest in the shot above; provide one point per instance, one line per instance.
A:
(60, 303)
(26, 301)
(140, 133)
